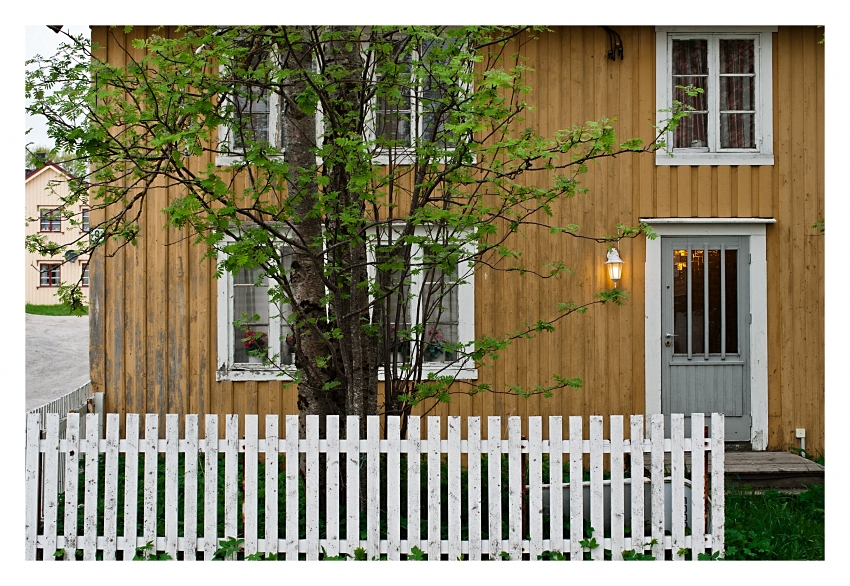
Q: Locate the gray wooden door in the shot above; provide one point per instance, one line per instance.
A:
(705, 330)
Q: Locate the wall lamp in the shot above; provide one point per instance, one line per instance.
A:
(614, 264)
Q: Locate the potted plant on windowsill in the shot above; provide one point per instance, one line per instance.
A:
(435, 346)
(256, 343)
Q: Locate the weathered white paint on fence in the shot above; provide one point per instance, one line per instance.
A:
(556, 474)
(90, 496)
(698, 485)
(292, 487)
(371, 449)
(433, 488)
(72, 466)
(171, 506)
(249, 510)
(637, 434)
(110, 490)
(677, 486)
(576, 496)
(473, 434)
(190, 486)
(454, 507)
(494, 485)
(414, 465)
(656, 422)
(393, 489)
(312, 487)
(131, 483)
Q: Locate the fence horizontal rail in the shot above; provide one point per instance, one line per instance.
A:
(372, 498)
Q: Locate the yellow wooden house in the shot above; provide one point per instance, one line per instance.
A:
(726, 306)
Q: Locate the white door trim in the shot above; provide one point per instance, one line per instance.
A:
(754, 228)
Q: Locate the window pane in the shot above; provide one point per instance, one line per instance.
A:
(680, 301)
(85, 220)
(738, 131)
(697, 102)
(692, 132)
(731, 301)
(697, 302)
(690, 57)
(439, 301)
(252, 119)
(393, 124)
(714, 302)
(85, 275)
(249, 300)
(737, 56)
(737, 93)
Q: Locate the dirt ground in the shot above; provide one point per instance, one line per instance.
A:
(57, 356)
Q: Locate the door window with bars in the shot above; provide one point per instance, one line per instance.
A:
(705, 301)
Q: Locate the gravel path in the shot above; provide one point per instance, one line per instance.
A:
(57, 356)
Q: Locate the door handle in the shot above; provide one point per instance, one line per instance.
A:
(667, 341)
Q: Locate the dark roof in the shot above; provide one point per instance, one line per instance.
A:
(30, 172)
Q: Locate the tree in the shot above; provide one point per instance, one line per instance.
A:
(341, 239)
(38, 156)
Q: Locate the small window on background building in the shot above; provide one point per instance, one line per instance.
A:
(85, 220)
(51, 220)
(85, 280)
(49, 274)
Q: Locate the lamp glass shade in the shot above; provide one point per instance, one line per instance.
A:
(614, 265)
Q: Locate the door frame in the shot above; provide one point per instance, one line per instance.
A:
(755, 229)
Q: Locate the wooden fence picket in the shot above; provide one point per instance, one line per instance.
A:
(131, 485)
(698, 485)
(90, 495)
(249, 509)
(151, 461)
(535, 487)
(618, 516)
(597, 509)
(433, 489)
(210, 487)
(272, 445)
(637, 484)
(171, 464)
(110, 491)
(393, 488)
(51, 476)
(473, 434)
(72, 480)
(190, 489)
(607, 499)
(494, 485)
(576, 492)
(332, 488)
(656, 438)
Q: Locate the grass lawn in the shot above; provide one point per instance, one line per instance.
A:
(775, 526)
(58, 309)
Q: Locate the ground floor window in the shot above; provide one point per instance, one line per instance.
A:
(50, 274)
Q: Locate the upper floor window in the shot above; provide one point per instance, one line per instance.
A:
(51, 220)
(85, 225)
(417, 108)
(731, 118)
(257, 116)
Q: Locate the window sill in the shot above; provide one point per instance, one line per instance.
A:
(732, 159)
(230, 160)
(245, 372)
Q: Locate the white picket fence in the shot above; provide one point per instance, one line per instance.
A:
(706, 462)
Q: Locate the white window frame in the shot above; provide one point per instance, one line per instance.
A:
(275, 133)
(400, 155)
(463, 369)
(763, 37)
(755, 230)
(227, 369)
